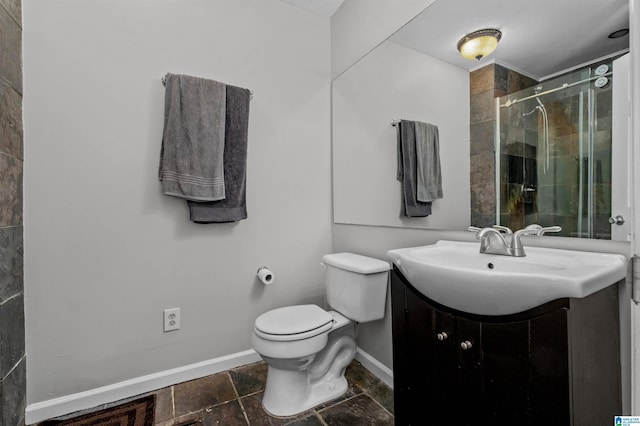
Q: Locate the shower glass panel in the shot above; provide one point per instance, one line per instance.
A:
(554, 154)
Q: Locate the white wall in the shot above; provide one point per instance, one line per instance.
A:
(360, 25)
(105, 252)
(394, 82)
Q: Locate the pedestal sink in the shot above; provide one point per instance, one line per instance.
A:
(457, 275)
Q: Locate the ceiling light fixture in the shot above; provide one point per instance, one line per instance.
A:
(479, 43)
(620, 33)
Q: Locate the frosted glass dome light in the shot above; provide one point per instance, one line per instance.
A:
(479, 43)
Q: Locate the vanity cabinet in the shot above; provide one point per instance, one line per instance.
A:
(556, 364)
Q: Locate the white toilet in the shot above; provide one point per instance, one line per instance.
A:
(306, 348)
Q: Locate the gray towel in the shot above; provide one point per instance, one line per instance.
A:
(428, 162)
(233, 208)
(191, 158)
(407, 171)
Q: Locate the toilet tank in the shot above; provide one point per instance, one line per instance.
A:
(356, 285)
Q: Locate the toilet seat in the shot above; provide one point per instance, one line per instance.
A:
(293, 323)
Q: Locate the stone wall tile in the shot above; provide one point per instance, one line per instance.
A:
(11, 334)
(11, 134)
(519, 81)
(483, 199)
(501, 79)
(10, 50)
(14, 8)
(482, 168)
(482, 137)
(13, 381)
(13, 395)
(482, 107)
(11, 262)
(483, 220)
(10, 190)
(481, 79)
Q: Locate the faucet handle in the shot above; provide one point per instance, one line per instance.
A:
(517, 249)
(473, 229)
(506, 229)
(541, 231)
(533, 226)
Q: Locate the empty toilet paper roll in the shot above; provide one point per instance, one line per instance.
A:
(265, 275)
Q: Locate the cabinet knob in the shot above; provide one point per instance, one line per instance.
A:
(442, 336)
(466, 345)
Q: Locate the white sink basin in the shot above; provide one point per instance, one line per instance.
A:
(457, 275)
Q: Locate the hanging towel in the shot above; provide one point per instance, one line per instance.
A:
(233, 207)
(429, 186)
(191, 158)
(410, 206)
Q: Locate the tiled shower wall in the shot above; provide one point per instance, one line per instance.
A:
(12, 336)
(486, 84)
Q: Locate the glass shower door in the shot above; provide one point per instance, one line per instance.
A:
(554, 154)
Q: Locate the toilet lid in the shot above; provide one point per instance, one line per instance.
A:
(293, 320)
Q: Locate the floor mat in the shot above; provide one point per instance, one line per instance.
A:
(135, 413)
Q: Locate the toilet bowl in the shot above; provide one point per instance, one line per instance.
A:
(305, 368)
(307, 348)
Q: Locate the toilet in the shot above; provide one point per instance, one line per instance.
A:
(307, 348)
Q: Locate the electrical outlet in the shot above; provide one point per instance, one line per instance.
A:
(171, 319)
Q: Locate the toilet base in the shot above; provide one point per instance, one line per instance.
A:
(291, 391)
(317, 393)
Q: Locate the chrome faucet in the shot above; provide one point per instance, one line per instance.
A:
(493, 242)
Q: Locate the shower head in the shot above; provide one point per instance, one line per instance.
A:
(537, 90)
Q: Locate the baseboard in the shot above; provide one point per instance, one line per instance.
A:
(61, 406)
(56, 407)
(377, 368)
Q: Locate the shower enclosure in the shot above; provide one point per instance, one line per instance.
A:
(553, 154)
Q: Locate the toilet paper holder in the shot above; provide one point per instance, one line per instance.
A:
(265, 275)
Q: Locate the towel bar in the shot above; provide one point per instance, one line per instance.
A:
(164, 83)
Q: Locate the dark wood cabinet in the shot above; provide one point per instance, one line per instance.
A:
(556, 364)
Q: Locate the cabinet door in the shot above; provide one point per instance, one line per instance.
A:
(508, 374)
(446, 400)
(550, 363)
(400, 347)
(470, 373)
(458, 372)
(413, 357)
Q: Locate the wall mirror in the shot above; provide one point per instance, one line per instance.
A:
(417, 74)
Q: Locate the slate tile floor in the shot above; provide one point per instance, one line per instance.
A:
(234, 398)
